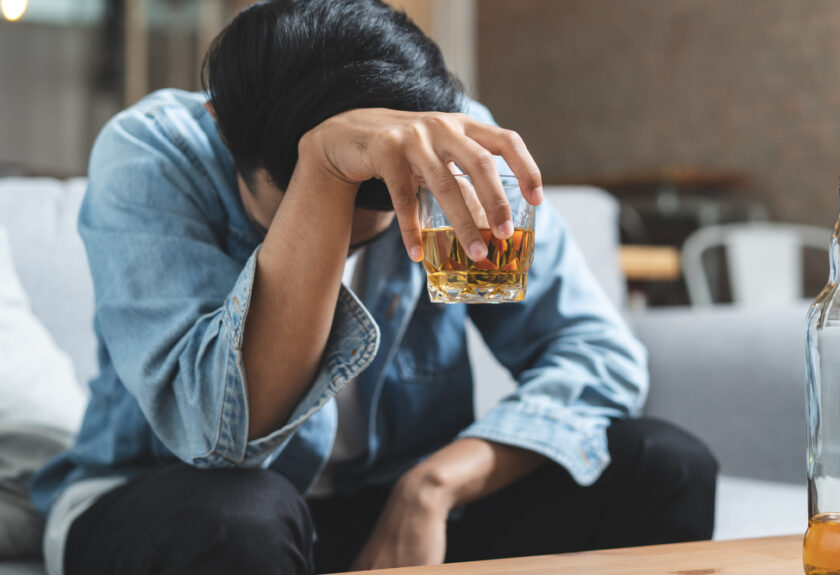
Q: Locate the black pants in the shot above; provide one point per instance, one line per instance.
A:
(659, 488)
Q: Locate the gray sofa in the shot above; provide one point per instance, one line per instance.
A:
(733, 377)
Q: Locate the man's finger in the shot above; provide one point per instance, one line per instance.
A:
(443, 186)
(479, 163)
(512, 148)
(403, 189)
(470, 196)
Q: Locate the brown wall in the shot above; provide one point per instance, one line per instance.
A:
(599, 87)
(421, 11)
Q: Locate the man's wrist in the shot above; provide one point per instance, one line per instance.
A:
(313, 164)
(314, 177)
(429, 487)
(466, 470)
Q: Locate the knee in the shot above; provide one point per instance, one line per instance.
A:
(671, 452)
(678, 472)
(252, 521)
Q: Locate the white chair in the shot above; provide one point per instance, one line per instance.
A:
(764, 261)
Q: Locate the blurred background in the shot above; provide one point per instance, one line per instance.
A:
(691, 113)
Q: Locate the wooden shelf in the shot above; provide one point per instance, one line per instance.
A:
(650, 263)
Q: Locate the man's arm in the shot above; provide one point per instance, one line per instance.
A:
(412, 528)
(467, 470)
(576, 363)
(296, 285)
(577, 366)
(289, 321)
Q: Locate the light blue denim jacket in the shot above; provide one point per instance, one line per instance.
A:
(172, 254)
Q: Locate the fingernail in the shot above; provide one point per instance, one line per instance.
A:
(415, 253)
(505, 230)
(538, 194)
(478, 251)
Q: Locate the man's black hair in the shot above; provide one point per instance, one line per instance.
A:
(284, 66)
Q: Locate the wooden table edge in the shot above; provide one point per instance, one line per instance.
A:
(790, 545)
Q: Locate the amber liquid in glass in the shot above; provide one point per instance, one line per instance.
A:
(821, 553)
(455, 278)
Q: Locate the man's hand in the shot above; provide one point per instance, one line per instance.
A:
(410, 531)
(402, 147)
(412, 527)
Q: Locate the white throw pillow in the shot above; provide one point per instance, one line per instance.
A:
(41, 407)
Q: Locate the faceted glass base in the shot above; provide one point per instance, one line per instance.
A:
(458, 288)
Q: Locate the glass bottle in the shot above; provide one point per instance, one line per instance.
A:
(821, 548)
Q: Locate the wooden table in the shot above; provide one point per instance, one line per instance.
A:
(768, 556)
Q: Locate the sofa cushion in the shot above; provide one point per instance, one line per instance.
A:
(735, 378)
(41, 407)
(754, 508)
(40, 218)
(592, 217)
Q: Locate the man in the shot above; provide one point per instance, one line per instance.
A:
(252, 415)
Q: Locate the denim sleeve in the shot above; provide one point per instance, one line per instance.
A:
(576, 362)
(171, 303)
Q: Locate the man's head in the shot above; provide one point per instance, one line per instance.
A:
(284, 66)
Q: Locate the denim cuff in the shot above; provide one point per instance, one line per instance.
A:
(577, 443)
(352, 345)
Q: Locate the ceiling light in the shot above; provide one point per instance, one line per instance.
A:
(13, 9)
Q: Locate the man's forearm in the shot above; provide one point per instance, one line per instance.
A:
(467, 470)
(296, 287)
